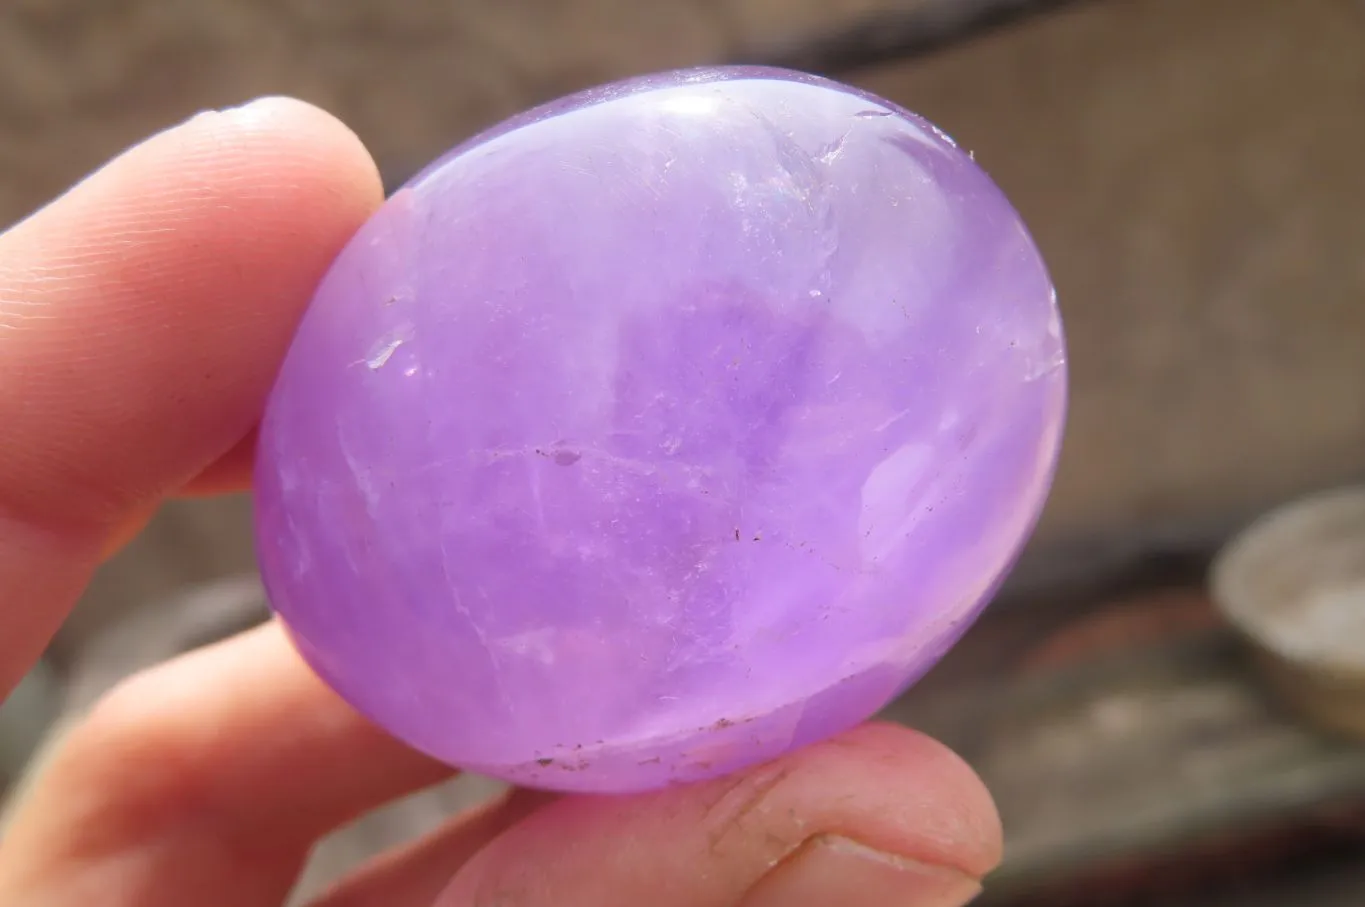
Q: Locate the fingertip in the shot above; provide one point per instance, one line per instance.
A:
(275, 119)
(884, 787)
(973, 837)
(168, 284)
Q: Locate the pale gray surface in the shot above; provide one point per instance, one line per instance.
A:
(24, 717)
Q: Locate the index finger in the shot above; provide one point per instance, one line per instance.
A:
(142, 318)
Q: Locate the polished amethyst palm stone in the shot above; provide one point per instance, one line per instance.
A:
(661, 430)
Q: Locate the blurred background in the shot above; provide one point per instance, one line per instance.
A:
(1195, 175)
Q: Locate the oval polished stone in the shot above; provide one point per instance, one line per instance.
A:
(661, 430)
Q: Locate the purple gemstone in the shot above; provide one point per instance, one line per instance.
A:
(660, 430)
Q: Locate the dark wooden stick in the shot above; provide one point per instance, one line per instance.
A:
(914, 28)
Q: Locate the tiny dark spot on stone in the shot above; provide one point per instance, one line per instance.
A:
(758, 537)
(545, 762)
(723, 723)
(654, 761)
(567, 457)
(736, 534)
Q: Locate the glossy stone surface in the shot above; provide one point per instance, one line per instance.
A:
(660, 430)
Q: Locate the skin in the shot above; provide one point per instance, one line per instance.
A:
(142, 317)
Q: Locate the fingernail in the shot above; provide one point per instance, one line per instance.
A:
(254, 108)
(830, 871)
(246, 114)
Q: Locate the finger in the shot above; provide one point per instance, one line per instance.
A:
(142, 318)
(881, 816)
(203, 781)
(414, 874)
(230, 472)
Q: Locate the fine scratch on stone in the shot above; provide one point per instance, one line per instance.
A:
(892, 420)
(554, 453)
(384, 350)
(457, 598)
(541, 520)
(385, 353)
(833, 150)
(942, 136)
(1046, 367)
(808, 178)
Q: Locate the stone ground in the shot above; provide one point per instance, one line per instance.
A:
(1191, 170)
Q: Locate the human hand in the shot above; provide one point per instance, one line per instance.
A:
(142, 317)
